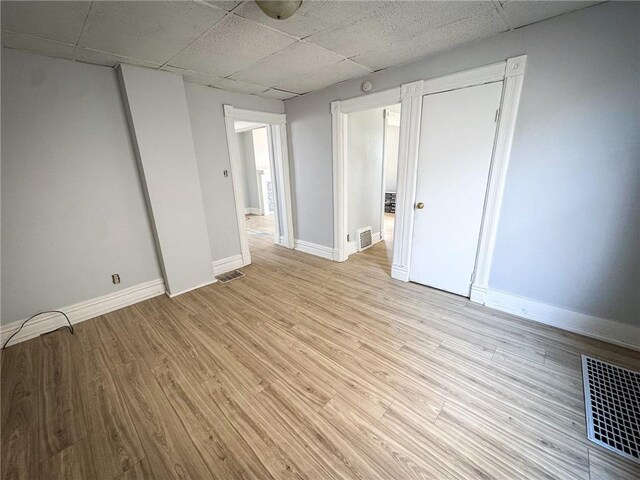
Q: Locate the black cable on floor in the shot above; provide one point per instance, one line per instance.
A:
(70, 327)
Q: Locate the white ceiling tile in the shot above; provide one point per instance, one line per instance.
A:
(328, 75)
(443, 38)
(88, 55)
(59, 21)
(297, 59)
(278, 94)
(37, 45)
(153, 31)
(236, 86)
(522, 13)
(192, 77)
(391, 22)
(233, 44)
(227, 5)
(311, 17)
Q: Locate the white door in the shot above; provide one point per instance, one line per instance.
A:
(456, 144)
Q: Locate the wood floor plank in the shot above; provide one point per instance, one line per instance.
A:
(168, 447)
(140, 471)
(605, 466)
(61, 413)
(73, 463)
(112, 433)
(279, 451)
(19, 399)
(496, 442)
(318, 436)
(221, 447)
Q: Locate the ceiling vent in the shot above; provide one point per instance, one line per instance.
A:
(365, 238)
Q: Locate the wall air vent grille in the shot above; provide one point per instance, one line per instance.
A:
(612, 403)
(365, 238)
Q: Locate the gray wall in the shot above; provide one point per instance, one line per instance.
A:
(569, 233)
(249, 175)
(364, 170)
(73, 209)
(159, 123)
(210, 140)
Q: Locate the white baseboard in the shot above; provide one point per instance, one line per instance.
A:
(337, 257)
(82, 311)
(400, 273)
(172, 294)
(478, 294)
(314, 249)
(252, 211)
(603, 329)
(225, 265)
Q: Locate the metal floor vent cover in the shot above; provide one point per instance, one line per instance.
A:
(227, 277)
(612, 403)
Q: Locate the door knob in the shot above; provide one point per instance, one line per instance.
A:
(419, 205)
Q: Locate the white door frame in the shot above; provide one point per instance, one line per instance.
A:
(276, 124)
(410, 96)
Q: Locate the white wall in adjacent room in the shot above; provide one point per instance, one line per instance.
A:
(364, 170)
(246, 150)
(73, 209)
(391, 143)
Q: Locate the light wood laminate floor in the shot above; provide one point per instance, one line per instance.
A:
(305, 368)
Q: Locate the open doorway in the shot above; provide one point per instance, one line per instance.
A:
(257, 182)
(372, 141)
(260, 173)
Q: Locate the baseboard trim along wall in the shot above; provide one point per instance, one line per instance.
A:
(81, 311)
(252, 211)
(603, 329)
(399, 273)
(181, 292)
(314, 249)
(228, 264)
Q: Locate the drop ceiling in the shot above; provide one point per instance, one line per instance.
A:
(232, 45)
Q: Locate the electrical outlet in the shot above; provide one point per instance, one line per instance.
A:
(115, 278)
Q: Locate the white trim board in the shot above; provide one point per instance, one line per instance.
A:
(315, 249)
(603, 329)
(252, 211)
(228, 264)
(181, 292)
(81, 311)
